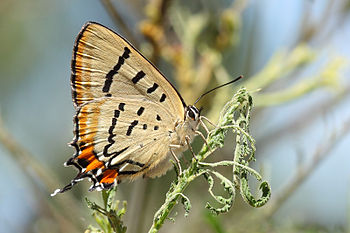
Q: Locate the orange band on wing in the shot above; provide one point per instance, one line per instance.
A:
(94, 164)
(82, 65)
(109, 176)
(88, 124)
(87, 153)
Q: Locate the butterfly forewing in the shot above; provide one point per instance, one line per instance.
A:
(105, 64)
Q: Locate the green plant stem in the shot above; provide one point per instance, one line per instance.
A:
(180, 184)
(231, 163)
(241, 105)
(178, 187)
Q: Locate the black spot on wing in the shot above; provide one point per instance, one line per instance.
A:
(131, 127)
(140, 111)
(158, 118)
(138, 77)
(162, 98)
(82, 143)
(156, 127)
(111, 134)
(116, 68)
(116, 113)
(144, 126)
(153, 88)
(83, 162)
(110, 130)
(121, 106)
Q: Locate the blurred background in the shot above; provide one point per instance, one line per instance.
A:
(294, 55)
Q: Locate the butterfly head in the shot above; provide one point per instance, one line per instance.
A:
(192, 115)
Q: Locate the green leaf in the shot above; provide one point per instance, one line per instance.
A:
(108, 217)
(249, 198)
(187, 204)
(228, 187)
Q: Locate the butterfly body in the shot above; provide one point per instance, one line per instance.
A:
(129, 119)
(180, 137)
(177, 142)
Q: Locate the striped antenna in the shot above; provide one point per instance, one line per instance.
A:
(236, 79)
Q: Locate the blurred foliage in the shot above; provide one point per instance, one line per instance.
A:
(192, 41)
(109, 217)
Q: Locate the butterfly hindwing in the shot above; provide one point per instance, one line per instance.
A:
(129, 136)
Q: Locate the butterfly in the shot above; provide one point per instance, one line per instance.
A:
(130, 120)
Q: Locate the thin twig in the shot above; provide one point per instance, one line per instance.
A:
(303, 172)
(153, 27)
(231, 163)
(119, 21)
(35, 171)
(310, 31)
(164, 6)
(303, 119)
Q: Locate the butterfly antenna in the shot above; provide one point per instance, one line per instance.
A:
(236, 79)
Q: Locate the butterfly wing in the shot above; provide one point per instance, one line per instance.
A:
(105, 64)
(119, 138)
(126, 109)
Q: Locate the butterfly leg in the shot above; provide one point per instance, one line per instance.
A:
(201, 118)
(175, 157)
(187, 138)
(204, 139)
(204, 126)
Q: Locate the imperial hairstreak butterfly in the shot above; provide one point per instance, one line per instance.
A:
(130, 120)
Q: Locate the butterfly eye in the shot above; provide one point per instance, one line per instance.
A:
(191, 114)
